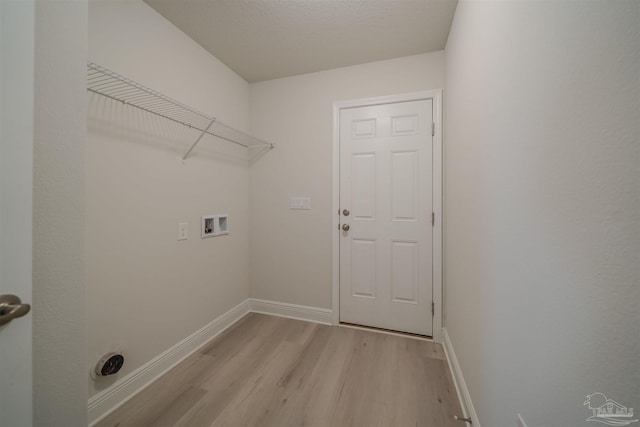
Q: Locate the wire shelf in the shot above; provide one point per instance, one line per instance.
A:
(105, 82)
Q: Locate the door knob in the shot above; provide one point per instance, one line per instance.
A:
(346, 212)
(345, 227)
(11, 307)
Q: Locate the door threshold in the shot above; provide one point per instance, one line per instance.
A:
(387, 331)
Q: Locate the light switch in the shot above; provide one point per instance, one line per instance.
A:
(183, 230)
(303, 203)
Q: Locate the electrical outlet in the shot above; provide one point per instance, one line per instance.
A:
(183, 230)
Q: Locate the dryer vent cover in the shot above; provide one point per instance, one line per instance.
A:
(109, 364)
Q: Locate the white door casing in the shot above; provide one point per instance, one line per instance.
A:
(389, 167)
(16, 170)
(436, 97)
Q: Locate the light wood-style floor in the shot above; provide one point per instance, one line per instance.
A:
(277, 372)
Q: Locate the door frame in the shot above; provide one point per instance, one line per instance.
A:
(436, 97)
(17, 65)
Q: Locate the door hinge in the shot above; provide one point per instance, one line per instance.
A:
(433, 219)
(433, 308)
(433, 129)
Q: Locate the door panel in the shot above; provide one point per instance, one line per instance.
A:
(386, 184)
(404, 186)
(363, 184)
(363, 272)
(404, 272)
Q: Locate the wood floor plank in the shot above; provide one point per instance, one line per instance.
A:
(177, 408)
(234, 368)
(434, 350)
(253, 401)
(283, 388)
(446, 395)
(363, 399)
(309, 388)
(269, 371)
(420, 395)
(256, 399)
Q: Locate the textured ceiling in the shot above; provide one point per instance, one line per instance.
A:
(267, 39)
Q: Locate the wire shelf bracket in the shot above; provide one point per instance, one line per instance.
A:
(112, 85)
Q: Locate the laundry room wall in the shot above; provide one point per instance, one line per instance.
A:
(291, 249)
(146, 291)
(542, 207)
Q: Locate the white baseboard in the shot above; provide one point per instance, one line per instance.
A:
(124, 389)
(461, 387)
(521, 422)
(292, 311)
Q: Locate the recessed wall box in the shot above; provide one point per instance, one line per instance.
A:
(215, 225)
(209, 225)
(223, 224)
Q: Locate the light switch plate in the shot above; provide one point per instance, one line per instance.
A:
(300, 203)
(183, 230)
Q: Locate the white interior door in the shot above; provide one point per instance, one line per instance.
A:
(386, 204)
(16, 159)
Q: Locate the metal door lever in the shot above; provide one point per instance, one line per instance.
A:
(11, 307)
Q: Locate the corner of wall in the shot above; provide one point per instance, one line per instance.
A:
(59, 341)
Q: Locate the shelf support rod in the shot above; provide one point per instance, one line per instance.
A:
(198, 140)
